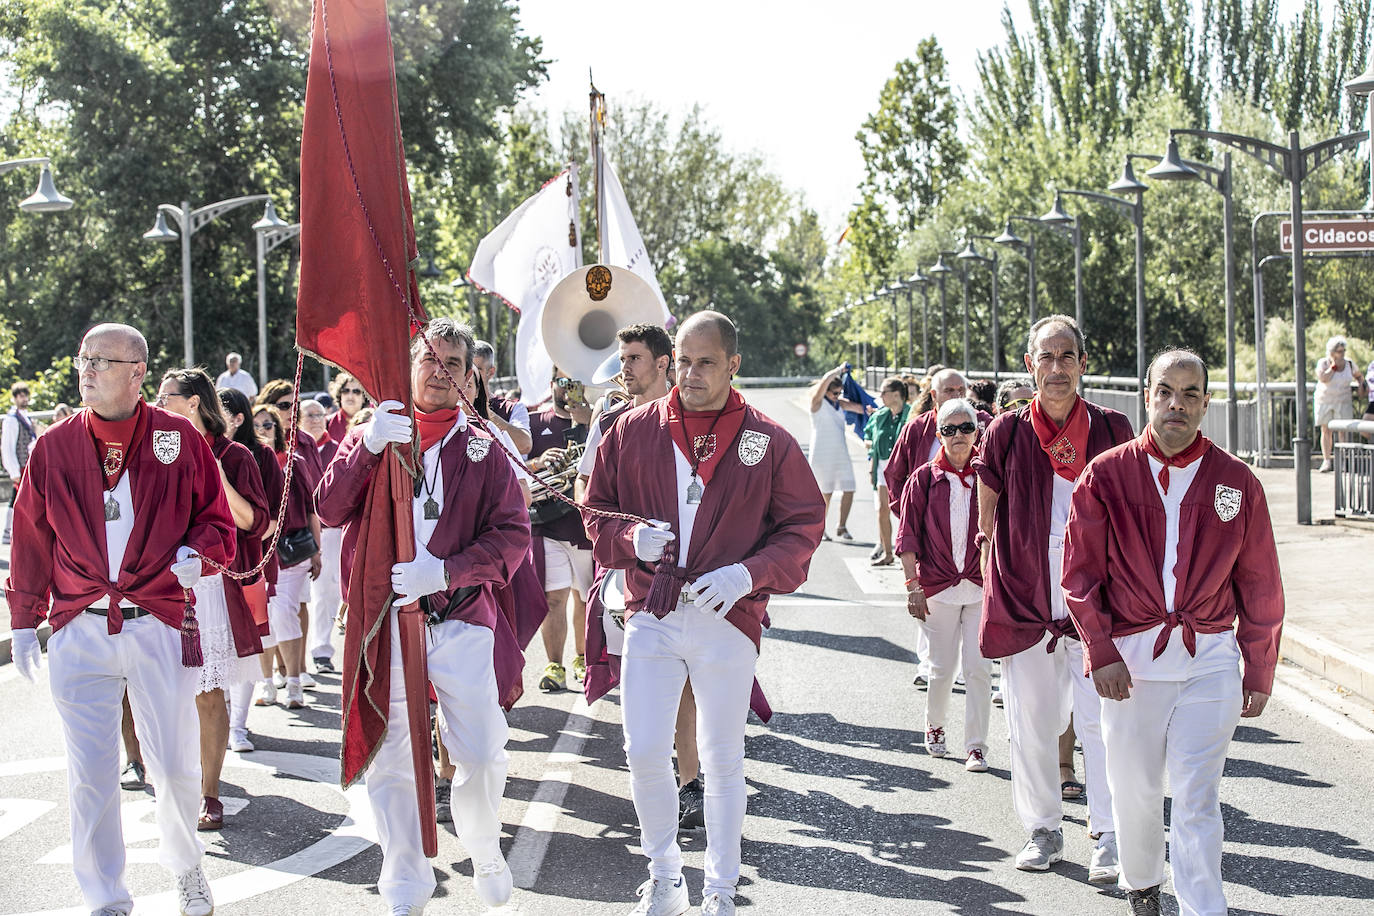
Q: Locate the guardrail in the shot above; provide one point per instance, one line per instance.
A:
(1353, 460)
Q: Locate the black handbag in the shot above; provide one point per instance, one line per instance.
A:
(295, 547)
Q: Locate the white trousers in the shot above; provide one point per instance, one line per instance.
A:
(1040, 689)
(284, 607)
(474, 730)
(922, 650)
(1186, 727)
(325, 596)
(659, 657)
(953, 633)
(89, 671)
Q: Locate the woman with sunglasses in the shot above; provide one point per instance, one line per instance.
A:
(881, 433)
(1013, 394)
(228, 636)
(238, 413)
(293, 582)
(944, 579)
(349, 395)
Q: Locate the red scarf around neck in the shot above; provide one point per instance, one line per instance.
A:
(942, 463)
(116, 441)
(1195, 450)
(434, 426)
(1066, 446)
(710, 443)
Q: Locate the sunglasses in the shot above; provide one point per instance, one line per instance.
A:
(265, 425)
(343, 391)
(283, 405)
(1019, 402)
(967, 428)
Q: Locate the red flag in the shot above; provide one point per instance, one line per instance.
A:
(356, 307)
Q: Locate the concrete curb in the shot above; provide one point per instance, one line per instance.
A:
(1329, 660)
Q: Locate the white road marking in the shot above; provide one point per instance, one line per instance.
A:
(1292, 690)
(875, 580)
(541, 817)
(18, 813)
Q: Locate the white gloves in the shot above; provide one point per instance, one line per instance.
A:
(650, 539)
(721, 589)
(386, 427)
(187, 567)
(424, 575)
(28, 658)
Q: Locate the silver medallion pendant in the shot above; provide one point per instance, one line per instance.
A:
(431, 509)
(693, 491)
(111, 508)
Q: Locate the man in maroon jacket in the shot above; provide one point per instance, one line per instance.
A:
(1027, 466)
(471, 533)
(743, 516)
(1172, 577)
(118, 505)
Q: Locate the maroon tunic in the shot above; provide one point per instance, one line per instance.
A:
(1010, 461)
(273, 485)
(911, 450)
(1227, 570)
(337, 427)
(767, 514)
(924, 530)
(59, 551)
(242, 471)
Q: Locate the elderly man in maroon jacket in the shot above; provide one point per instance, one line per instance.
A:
(118, 505)
(1172, 577)
(741, 517)
(471, 534)
(1027, 466)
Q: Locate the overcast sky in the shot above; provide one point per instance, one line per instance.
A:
(791, 86)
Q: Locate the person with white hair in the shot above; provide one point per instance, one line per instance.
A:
(1332, 400)
(235, 377)
(938, 545)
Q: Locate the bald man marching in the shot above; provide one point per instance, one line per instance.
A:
(741, 516)
(115, 501)
(1172, 577)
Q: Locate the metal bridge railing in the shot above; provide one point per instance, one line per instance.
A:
(1353, 460)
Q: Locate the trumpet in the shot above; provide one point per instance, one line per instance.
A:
(557, 476)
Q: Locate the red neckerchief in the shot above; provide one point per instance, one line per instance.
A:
(116, 440)
(1184, 458)
(710, 444)
(281, 459)
(434, 426)
(323, 440)
(1067, 447)
(942, 463)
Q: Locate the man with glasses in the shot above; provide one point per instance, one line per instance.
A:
(117, 509)
(1027, 467)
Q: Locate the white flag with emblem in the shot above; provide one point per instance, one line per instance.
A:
(624, 245)
(520, 260)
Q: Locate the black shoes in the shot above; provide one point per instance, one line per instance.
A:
(691, 800)
(134, 778)
(443, 795)
(1144, 903)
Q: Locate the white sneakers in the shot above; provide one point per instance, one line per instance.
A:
(1105, 867)
(492, 880)
(976, 762)
(295, 697)
(1043, 849)
(405, 909)
(193, 893)
(238, 740)
(660, 897)
(718, 905)
(307, 682)
(265, 694)
(110, 910)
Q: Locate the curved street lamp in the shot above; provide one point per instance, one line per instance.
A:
(1057, 219)
(190, 222)
(47, 199)
(971, 254)
(941, 271)
(271, 231)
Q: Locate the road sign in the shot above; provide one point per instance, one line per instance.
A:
(801, 350)
(1330, 235)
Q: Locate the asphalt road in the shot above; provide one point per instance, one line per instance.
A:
(846, 813)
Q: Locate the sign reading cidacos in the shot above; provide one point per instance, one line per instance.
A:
(1330, 235)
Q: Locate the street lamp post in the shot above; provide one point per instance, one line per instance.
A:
(47, 199)
(271, 231)
(1056, 218)
(941, 271)
(1294, 163)
(923, 281)
(971, 254)
(1026, 247)
(1173, 168)
(896, 287)
(190, 221)
(919, 281)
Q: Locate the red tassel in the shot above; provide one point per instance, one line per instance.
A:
(665, 591)
(191, 656)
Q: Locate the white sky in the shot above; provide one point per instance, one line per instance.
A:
(772, 76)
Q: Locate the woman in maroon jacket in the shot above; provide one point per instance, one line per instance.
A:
(229, 637)
(936, 541)
(238, 413)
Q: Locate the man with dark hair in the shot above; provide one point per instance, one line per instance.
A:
(1172, 577)
(742, 517)
(1027, 466)
(119, 506)
(507, 414)
(471, 533)
(17, 436)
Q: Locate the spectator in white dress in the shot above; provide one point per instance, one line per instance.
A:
(829, 458)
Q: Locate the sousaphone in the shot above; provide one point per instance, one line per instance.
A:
(583, 313)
